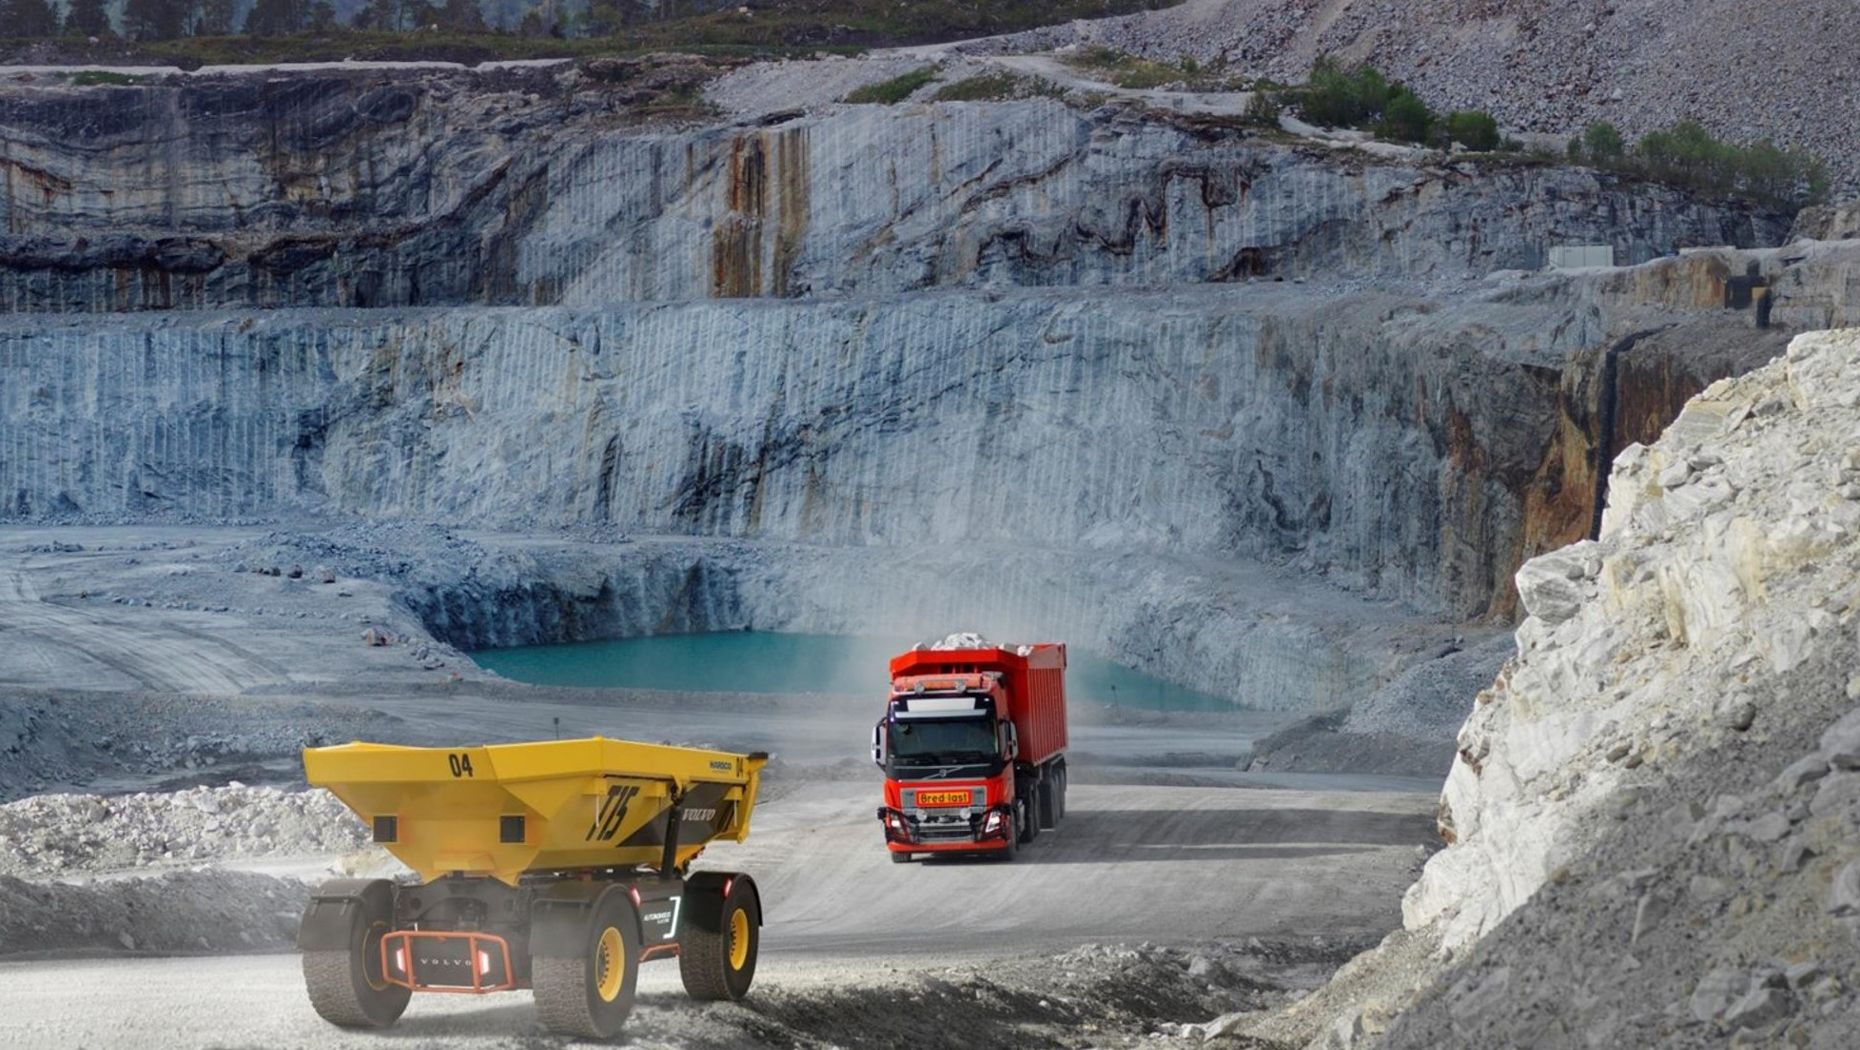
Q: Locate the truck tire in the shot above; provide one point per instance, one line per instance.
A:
(1029, 820)
(1059, 807)
(720, 964)
(1008, 853)
(347, 986)
(589, 994)
(900, 858)
(1046, 803)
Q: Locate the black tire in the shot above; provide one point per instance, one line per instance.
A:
(1029, 821)
(900, 858)
(1013, 836)
(1059, 807)
(1044, 802)
(590, 994)
(347, 986)
(720, 964)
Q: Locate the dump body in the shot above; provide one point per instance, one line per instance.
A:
(1033, 681)
(505, 809)
(973, 747)
(557, 867)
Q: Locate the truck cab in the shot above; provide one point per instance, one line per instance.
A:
(972, 745)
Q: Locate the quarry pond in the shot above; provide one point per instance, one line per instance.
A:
(781, 662)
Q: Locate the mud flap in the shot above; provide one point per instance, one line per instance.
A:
(328, 922)
(559, 919)
(704, 893)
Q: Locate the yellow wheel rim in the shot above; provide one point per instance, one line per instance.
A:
(609, 965)
(739, 939)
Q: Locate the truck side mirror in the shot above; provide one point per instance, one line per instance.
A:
(1013, 742)
(878, 745)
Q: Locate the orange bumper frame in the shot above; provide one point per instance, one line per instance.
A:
(401, 943)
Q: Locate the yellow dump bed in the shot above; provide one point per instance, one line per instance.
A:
(561, 805)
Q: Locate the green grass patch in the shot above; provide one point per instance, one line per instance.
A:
(781, 28)
(997, 87)
(895, 90)
(1126, 70)
(95, 77)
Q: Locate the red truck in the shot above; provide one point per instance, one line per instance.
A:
(973, 746)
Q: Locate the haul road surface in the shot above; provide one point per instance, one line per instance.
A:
(1134, 864)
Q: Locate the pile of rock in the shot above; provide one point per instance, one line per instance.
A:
(53, 835)
(1744, 73)
(185, 911)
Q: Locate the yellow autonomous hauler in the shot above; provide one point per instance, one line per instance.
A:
(557, 866)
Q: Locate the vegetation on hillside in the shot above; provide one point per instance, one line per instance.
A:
(1688, 155)
(997, 87)
(1133, 72)
(895, 90)
(286, 30)
(1684, 154)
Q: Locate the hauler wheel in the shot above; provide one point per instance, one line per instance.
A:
(590, 993)
(721, 963)
(346, 985)
(1012, 850)
(900, 858)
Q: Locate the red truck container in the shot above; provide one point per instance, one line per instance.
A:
(973, 747)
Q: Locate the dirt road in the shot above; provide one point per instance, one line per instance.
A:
(1172, 866)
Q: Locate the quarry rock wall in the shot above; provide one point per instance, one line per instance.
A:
(353, 190)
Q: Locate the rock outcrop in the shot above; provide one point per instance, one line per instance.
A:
(1652, 819)
(869, 330)
(513, 187)
(1265, 426)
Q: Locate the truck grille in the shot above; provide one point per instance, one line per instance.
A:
(943, 830)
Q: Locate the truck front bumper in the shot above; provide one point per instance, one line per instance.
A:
(985, 831)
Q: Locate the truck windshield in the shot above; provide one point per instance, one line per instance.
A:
(943, 741)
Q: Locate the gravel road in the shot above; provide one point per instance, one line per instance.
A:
(1176, 867)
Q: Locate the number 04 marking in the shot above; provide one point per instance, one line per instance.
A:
(460, 764)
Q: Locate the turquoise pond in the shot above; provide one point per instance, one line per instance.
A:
(770, 662)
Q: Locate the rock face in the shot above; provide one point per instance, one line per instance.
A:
(728, 355)
(1263, 426)
(1652, 819)
(514, 188)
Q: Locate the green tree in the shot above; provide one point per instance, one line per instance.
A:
(1601, 143)
(1474, 129)
(87, 18)
(462, 16)
(321, 17)
(602, 18)
(1406, 118)
(1343, 98)
(276, 17)
(379, 14)
(156, 19)
(215, 18)
(28, 18)
(1263, 108)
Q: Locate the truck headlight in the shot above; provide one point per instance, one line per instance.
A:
(993, 823)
